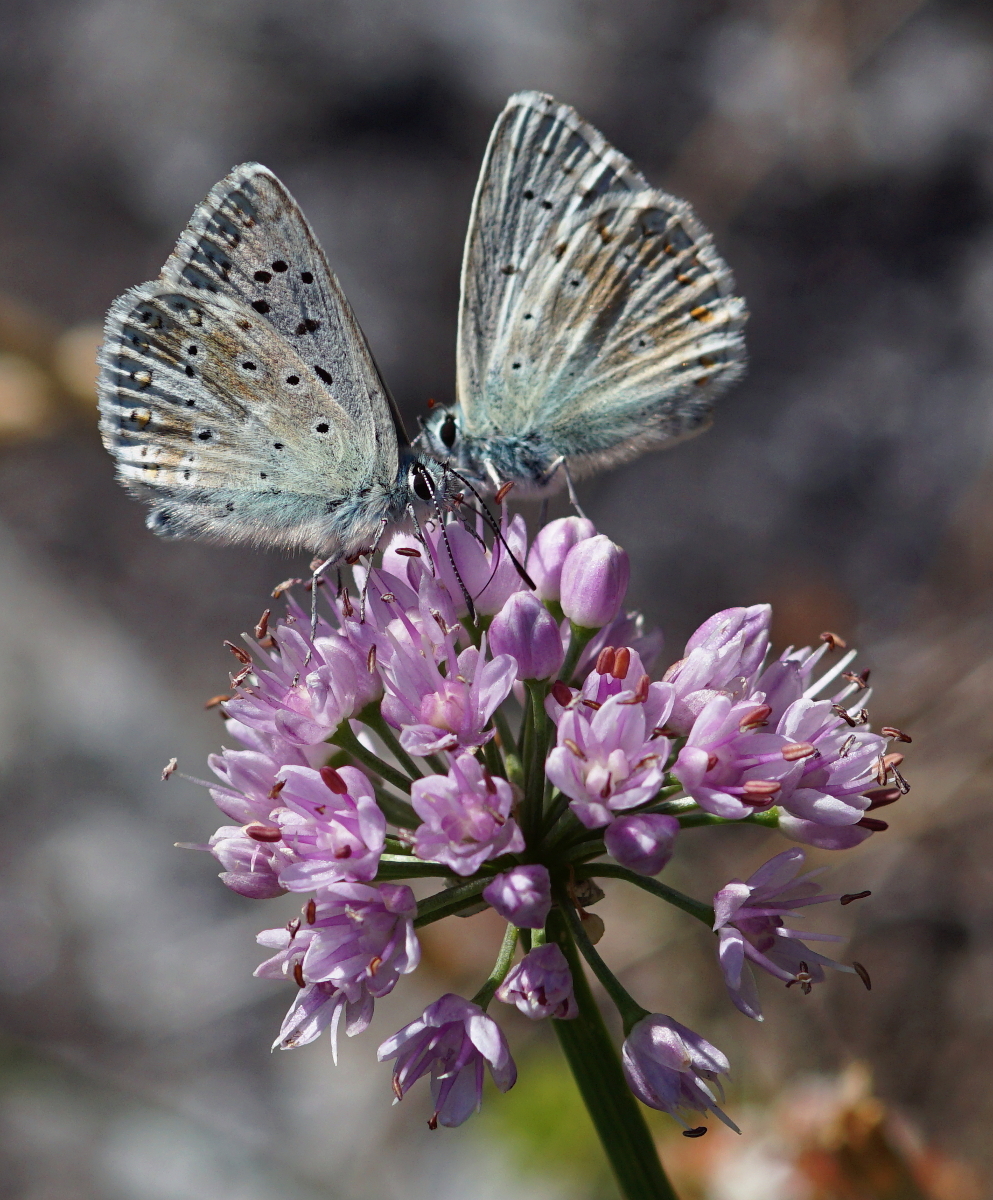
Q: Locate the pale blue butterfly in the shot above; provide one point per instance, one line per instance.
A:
(238, 393)
(596, 320)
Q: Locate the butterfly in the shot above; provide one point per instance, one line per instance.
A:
(596, 320)
(239, 396)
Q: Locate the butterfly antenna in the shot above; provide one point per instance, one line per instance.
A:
(494, 526)
(433, 491)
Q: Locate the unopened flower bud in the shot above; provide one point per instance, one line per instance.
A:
(642, 843)
(522, 896)
(594, 579)
(527, 631)
(549, 551)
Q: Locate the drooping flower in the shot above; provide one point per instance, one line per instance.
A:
(750, 926)
(355, 936)
(522, 895)
(642, 842)
(540, 985)
(609, 761)
(453, 1040)
(320, 1006)
(466, 816)
(671, 1068)
(332, 823)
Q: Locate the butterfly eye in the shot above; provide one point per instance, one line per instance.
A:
(448, 431)
(419, 485)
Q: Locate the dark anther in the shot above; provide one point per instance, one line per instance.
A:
(276, 788)
(562, 693)
(264, 833)
(842, 712)
(872, 823)
(605, 660)
(850, 896)
(169, 768)
(621, 664)
(503, 491)
(804, 979)
(860, 680)
(298, 974)
(699, 1131)
(262, 627)
(214, 701)
(241, 655)
(889, 731)
(409, 552)
(863, 974)
(755, 719)
(834, 642)
(449, 431)
(310, 911)
(334, 781)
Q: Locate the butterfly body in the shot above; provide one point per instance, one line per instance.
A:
(597, 320)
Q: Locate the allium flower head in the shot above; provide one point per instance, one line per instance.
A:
(750, 926)
(453, 1040)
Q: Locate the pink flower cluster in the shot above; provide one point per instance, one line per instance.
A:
(397, 709)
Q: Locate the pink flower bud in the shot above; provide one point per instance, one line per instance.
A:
(522, 896)
(594, 579)
(527, 631)
(642, 843)
(548, 553)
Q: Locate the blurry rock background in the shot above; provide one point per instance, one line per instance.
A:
(843, 154)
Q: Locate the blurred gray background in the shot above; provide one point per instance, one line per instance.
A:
(842, 153)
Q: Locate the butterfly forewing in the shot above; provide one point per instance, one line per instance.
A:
(249, 240)
(596, 313)
(223, 425)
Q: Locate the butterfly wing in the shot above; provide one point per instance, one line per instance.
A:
(597, 319)
(230, 432)
(250, 241)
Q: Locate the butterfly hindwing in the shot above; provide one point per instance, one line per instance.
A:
(596, 317)
(228, 431)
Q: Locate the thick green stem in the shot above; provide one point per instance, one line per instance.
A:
(595, 1065)
(402, 866)
(696, 908)
(500, 968)
(397, 811)
(534, 751)
(629, 1008)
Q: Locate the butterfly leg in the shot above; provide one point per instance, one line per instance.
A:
(315, 578)
(368, 575)
(561, 465)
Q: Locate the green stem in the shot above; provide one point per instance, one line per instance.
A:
(500, 968)
(702, 912)
(451, 900)
(695, 820)
(346, 739)
(629, 1008)
(595, 1065)
(397, 811)
(402, 866)
(533, 755)
(578, 642)
(372, 717)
